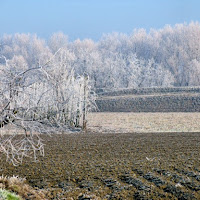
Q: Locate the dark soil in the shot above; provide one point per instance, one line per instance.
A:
(115, 166)
(188, 102)
(153, 99)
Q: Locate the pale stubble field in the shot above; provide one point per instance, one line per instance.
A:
(127, 122)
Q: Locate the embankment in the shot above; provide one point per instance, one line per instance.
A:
(182, 99)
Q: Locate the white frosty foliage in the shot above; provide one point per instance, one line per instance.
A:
(45, 99)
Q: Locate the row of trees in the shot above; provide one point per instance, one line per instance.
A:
(166, 57)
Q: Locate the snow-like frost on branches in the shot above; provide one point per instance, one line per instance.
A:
(45, 99)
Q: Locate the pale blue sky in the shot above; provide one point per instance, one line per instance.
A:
(91, 18)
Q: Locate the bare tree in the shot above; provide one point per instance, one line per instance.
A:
(42, 100)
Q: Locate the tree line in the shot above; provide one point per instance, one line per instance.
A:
(166, 57)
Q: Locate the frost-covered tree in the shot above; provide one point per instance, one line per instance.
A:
(46, 99)
(57, 41)
(33, 49)
(117, 60)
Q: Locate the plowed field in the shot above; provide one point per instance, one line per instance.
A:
(116, 166)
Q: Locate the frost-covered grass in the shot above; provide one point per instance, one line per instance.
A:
(16, 188)
(144, 122)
